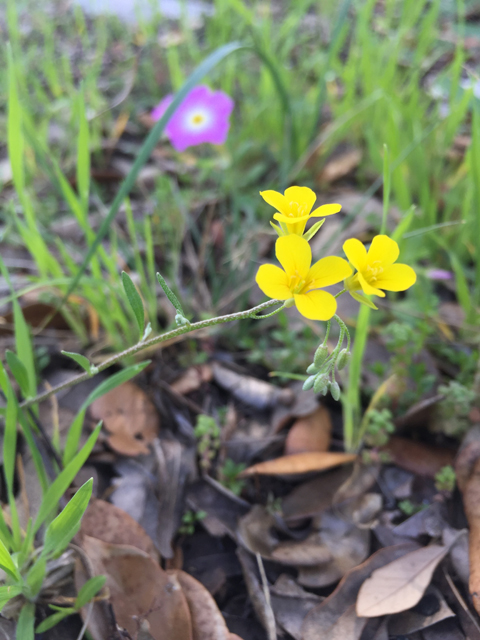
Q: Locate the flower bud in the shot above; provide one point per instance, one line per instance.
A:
(320, 356)
(321, 383)
(308, 384)
(335, 390)
(343, 359)
(181, 321)
(312, 369)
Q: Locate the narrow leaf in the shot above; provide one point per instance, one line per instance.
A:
(79, 359)
(135, 302)
(26, 622)
(170, 295)
(54, 619)
(89, 591)
(62, 529)
(6, 562)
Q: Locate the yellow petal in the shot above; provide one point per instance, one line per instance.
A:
(301, 195)
(294, 254)
(367, 288)
(328, 271)
(397, 277)
(275, 199)
(316, 305)
(326, 210)
(356, 253)
(384, 250)
(273, 282)
(289, 219)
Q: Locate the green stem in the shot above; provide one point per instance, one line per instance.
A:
(339, 294)
(241, 315)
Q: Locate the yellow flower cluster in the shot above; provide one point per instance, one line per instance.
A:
(301, 283)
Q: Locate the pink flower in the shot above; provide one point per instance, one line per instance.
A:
(439, 274)
(202, 117)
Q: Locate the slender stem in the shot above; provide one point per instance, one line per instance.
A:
(327, 332)
(340, 293)
(241, 315)
(269, 315)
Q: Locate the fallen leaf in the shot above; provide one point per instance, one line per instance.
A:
(304, 403)
(129, 416)
(471, 502)
(300, 463)
(336, 614)
(417, 457)
(310, 433)
(431, 609)
(340, 165)
(251, 391)
(256, 592)
(192, 379)
(400, 585)
(207, 621)
(290, 604)
(310, 552)
(108, 523)
(140, 590)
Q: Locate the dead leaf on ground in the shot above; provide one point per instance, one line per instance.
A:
(331, 619)
(340, 165)
(252, 391)
(290, 604)
(399, 585)
(300, 463)
(418, 457)
(192, 379)
(304, 403)
(310, 433)
(471, 502)
(106, 522)
(431, 609)
(129, 416)
(256, 592)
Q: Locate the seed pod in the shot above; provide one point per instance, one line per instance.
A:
(321, 383)
(321, 354)
(308, 384)
(343, 358)
(312, 369)
(335, 390)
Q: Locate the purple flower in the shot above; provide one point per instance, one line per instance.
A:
(202, 117)
(439, 274)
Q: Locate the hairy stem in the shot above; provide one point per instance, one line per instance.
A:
(241, 315)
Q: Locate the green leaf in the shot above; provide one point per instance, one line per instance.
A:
(9, 456)
(63, 481)
(107, 385)
(135, 302)
(26, 622)
(170, 295)
(7, 563)
(79, 359)
(35, 576)
(83, 157)
(62, 529)
(89, 591)
(18, 370)
(7, 593)
(54, 619)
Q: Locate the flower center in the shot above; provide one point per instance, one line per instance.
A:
(296, 210)
(198, 118)
(297, 283)
(373, 271)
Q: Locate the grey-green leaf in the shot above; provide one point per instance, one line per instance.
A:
(79, 359)
(135, 302)
(26, 622)
(170, 295)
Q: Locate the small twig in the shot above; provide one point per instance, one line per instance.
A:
(266, 593)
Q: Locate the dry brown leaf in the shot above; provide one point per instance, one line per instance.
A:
(407, 622)
(207, 621)
(340, 165)
(400, 585)
(311, 433)
(330, 619)
(251, 391)
(290, 604)
(308, 553)
(300, 463)
(108, 523)
(129, 416)
(417, 457)
(140, 590)
(192, 379)
(471, 501)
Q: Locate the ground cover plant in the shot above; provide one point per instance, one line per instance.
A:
(164, 453)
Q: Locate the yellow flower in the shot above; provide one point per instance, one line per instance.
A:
(299, 281)
(375, 269)
(295, 208)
